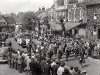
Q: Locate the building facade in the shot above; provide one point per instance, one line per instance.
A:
(7, 24)
(93, 18)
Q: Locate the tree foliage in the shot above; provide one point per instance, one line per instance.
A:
(60, 2)
(73, 1)
(29, 20)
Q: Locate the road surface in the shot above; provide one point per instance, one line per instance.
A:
(92, 66)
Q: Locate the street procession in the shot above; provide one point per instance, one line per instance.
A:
(60, 37)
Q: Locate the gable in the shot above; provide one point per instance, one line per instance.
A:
(42, 15)
(2, 20)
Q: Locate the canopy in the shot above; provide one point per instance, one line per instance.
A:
(68, 25)
(55, 26)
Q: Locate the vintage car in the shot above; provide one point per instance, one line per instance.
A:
(3, 55)
(3, 52)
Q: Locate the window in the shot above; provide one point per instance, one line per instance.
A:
(79, 1)
(95, 15)
(95, 30)
(81, 14)
(69, 15)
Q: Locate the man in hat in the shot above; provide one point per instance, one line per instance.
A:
(84, 72)
(9, 57)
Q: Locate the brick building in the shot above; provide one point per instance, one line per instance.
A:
(93, 18)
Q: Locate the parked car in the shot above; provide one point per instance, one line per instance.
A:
(3, 52)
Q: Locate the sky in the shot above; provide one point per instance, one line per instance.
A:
(9, 6)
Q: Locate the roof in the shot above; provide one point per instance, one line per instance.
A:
(70, 6)
(73, 1)
(68, 25)
(10, 20)
(89, 2)
(55, 26)
(38, 12)
(53, 6)
(1, 16)
(41, 13)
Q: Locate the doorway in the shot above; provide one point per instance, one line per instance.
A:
(98, 33)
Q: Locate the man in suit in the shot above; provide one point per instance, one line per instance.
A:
(55, 68)
(47, 68)
(35, 67)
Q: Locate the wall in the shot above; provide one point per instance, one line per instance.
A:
(91, 22)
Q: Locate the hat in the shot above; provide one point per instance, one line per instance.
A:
(84, 71)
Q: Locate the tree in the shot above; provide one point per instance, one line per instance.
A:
(73, 1)
(63, 27)
(29, 21)
(60, 2)
(46, 22)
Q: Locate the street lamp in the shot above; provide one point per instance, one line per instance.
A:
(30, 23)
(63, 27)
(39, 28)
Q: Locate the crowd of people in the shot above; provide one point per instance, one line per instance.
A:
(46, 58)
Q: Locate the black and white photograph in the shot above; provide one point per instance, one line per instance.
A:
(49, 37)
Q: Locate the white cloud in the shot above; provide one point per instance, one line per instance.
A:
(8, 6)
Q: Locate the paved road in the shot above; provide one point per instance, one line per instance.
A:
(15, 45)
(92, 66)
(5, 70)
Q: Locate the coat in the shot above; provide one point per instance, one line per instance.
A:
(54, 69)
(47, 69)
(35, 67)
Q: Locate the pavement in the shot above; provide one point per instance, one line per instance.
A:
(92, 66)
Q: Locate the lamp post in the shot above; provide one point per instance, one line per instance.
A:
(39, 33)
(63, 27)
(30, 22)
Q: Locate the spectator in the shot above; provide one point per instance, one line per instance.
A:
(60, 70)
(84, 72)
(55, 67)
(47, 68)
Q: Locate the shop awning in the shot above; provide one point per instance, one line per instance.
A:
(55, 26)
(68, 25)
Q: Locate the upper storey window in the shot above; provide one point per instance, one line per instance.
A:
(80, 1)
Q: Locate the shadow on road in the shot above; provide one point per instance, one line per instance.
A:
(87, 65)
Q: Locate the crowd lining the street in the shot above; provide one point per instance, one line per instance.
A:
(45, 58)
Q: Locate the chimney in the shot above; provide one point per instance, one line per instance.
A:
(43, 8)
(39, 9)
